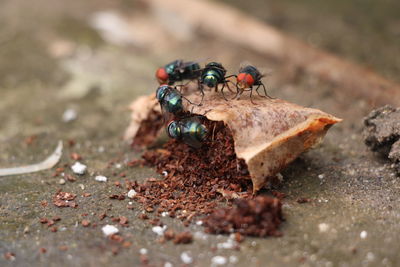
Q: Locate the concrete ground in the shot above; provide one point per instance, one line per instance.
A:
(54, 58)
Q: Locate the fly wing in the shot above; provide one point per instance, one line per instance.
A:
(264, 71)
(167, 116)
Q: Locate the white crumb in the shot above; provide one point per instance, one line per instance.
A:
(79, 168)
(186, 258)
(143, 251)
(109, 230)
(159, 230)
(218, 260)
(100, 178)
(69, 115)
(132, 193)
(323, 227)
(363, 234)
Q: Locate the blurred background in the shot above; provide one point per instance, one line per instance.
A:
(54, 52)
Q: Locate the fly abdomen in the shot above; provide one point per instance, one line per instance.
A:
(173, 101)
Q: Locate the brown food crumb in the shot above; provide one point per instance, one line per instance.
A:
(169, 234)
(303, 200)
(76, 156)
(70, 178)
(30, 139)
(183, 238)
(71, 143)
(85, 223)
(135, 163)
(119, 197)
(193, 177)
(126, 244)
(144, 259)
(44, 203)
(123, 220)
(260, 217)
(54, 229)
(115, 250)
(102, 216)
(43, 220)
(9, 256)
(279, 195)
(64, 199)
(143, 216)
(116, 238)
(42, 250)
(63, 248)
(148, 130)
(86, 194)
(239, 238)
(56, 218)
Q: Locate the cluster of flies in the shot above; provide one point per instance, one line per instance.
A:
(184, 126)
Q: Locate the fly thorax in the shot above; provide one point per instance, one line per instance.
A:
(173, 130)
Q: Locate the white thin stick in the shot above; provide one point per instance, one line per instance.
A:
(48, 163)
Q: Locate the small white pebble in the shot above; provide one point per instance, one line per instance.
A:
(109, 230)
(159, 230)
(130, 202)
(101, 149)
(363, 234)
(321, 176)
(143, 251)
(132, 193)
(233, 259)
(199, 223)
(168, 264)
(69, 115)
(62, 181)
(100, 178)
(81, 186)
(200, 236)
(323, 227)
(164, 213)
(230, 244)
(79, 168)
(165, 173)
(370, 256)
(218, 260)
(118, 166)
(186, 258)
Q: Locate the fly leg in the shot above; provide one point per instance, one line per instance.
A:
(265, 91)
(251, 99)
(222, 90)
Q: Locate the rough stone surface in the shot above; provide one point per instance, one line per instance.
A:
(382, 132)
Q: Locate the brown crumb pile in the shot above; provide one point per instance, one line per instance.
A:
(148, 130)
(194, 178)
(64, 199)
(260, 217)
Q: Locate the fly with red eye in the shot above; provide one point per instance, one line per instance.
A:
(177, 71)
(248, 77)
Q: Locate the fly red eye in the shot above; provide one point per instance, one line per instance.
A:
(241, 77)
(245, 79)
(162, 75)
